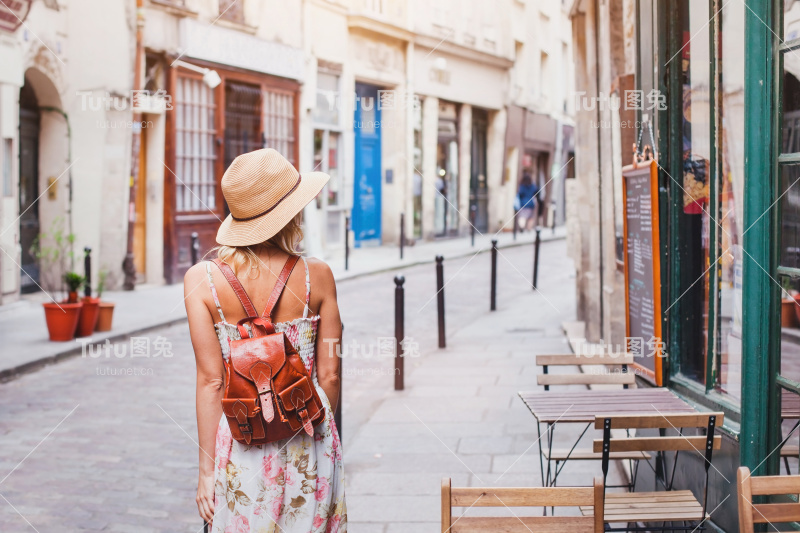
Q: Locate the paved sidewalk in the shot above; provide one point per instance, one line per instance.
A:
(24, 333)
(459, 415)
(112, 447)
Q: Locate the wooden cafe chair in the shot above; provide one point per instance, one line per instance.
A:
(773, 512)
(668, 506)
(514, 497)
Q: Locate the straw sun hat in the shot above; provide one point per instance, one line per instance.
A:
(264, 192)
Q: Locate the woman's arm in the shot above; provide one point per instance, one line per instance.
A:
(329, 334)
(210, 380)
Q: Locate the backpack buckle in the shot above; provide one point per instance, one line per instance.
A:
(245, 428)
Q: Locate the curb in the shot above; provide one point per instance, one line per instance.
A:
(458, 255)
(15, 372)
(10, 374)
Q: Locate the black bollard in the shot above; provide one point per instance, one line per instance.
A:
(514, 229)
(493, 303)
(195, 248)
(87, 272)
(402, 233)
(472, 211)
(440, 298)
(536, 242)
(399, 331)
(346, 242)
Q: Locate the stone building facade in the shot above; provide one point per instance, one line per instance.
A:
(603, 53)
(65, 132)
(429, 112)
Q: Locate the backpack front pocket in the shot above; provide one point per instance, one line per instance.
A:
(244, 418)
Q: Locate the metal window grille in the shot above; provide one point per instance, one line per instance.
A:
(242, 122)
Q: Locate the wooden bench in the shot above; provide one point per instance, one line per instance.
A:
(766, 513)
(614, 370)
(508, 497)
(665, 506)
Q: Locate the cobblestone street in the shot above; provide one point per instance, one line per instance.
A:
(107, 444)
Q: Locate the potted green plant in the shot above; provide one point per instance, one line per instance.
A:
(105, 309)
(53, 249)
(74, 282)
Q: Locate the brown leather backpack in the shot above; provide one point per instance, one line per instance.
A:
(269, 395)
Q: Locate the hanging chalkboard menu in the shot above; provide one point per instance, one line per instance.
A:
(642, 268)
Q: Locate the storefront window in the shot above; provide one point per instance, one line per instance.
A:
(334, 189)
(710, 220)
(731, 207)
(446, 200)
(693, 219)
(334, 185)
(327, 109)
(789, 190)
(327, 158)
(327, 153)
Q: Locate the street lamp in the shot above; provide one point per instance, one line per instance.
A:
(210, 77)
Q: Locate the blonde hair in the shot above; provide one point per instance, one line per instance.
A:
(286, 240)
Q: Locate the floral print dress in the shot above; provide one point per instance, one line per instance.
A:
(294, 485)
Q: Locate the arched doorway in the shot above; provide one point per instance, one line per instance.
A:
(29, 226)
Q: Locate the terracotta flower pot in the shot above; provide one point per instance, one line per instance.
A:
(89, 315)
(796, 306)
(62, 320)
(788, 313)
(105, 314)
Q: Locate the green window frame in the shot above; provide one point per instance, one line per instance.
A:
(760, 429)
(759, 408)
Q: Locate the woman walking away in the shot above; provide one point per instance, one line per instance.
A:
(293, 485)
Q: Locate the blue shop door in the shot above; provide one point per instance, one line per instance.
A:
(367, 175)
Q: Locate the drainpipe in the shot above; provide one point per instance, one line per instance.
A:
(128, 265)
(408, 203)
(599, 158)
(69, 174)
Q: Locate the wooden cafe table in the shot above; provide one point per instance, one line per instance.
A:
(582, 406)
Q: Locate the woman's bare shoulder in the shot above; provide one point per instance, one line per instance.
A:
(321, 275)
(194, 276)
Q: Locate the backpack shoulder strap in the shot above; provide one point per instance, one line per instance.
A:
(236, 285)
(279, 286)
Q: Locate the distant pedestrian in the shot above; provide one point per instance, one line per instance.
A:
(294, 485)
(526, 196)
